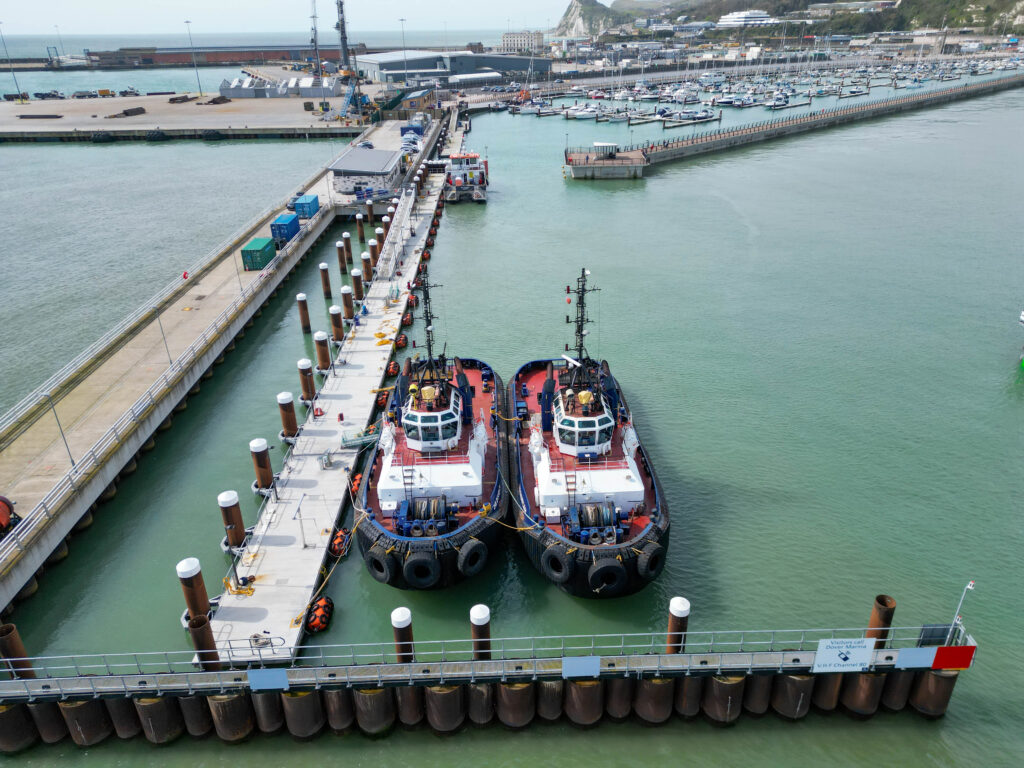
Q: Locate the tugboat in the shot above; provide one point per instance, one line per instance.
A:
(433, 497)
(466, 177)
(590, 510)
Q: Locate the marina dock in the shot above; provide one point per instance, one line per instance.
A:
(629, 162)
(63, 447)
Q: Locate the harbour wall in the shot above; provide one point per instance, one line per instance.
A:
(630, 162)
(169, 134)
(26, 549)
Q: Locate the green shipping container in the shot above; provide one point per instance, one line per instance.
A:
(258, 253)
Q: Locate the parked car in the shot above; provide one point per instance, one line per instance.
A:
(365, 144)
(292, 201)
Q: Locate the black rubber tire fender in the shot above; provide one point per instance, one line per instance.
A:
(557, 564)
(422, 570)
(651, 561)
(607, 577)
(381, 564)
(472, 558)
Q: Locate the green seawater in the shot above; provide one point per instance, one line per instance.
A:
(818, 338)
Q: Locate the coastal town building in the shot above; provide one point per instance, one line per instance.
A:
(517, 42)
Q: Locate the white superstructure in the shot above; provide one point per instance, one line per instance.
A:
(409, 471)
(617, 481)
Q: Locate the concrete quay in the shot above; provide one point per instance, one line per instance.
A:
(87, 120)
(629, 163)
(112, 398)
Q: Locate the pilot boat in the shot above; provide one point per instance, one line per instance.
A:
(466, 178)
(589, 508)
(432, 498)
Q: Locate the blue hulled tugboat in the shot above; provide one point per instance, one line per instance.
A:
(433, 496)
(590, 510)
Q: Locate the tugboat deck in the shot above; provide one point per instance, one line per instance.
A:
(405, 456)
(615, 459)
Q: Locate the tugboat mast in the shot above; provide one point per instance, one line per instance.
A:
(428, 323)
(582, 319)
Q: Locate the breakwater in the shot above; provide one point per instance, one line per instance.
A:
(630, 161)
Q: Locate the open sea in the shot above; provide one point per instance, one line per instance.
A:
(818, 337)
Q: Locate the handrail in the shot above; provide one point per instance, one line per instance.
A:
(517, 648)
(40, 517)
(54, 382)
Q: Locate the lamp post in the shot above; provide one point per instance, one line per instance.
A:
(17, 89)
(405, 57)
(59, 427)
(188, 26)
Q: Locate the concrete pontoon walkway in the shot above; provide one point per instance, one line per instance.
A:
(285, 554)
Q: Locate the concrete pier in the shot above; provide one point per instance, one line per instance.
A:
(168, 345)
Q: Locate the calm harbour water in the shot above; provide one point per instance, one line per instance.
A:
(818, 337)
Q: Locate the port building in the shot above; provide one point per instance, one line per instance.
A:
(392, 66)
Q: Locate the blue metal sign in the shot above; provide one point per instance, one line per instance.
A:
(580, 666)
(268, 679)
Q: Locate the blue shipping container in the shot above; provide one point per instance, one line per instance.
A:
(285, 227)
(307, 206)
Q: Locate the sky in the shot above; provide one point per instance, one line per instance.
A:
(93, 17)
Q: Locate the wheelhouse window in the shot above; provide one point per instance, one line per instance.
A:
(412, 432)
(449, 429)
(567, 436)
(430, 434)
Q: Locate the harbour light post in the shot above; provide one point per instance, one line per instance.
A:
(67, 447)
(405, 57)
(191, 45)
(17, 89)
